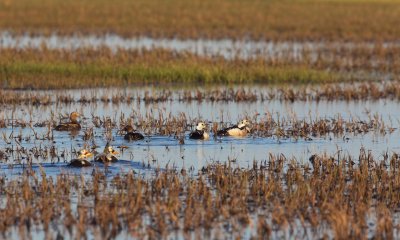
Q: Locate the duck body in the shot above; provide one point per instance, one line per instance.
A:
(133, 136)
(79, 163)
(239, 130)
(73, 125)
(105, 158)
(234, 131)
(225, 131)
(199, 134)
(68, 127)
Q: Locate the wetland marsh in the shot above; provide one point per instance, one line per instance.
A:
(311, 87)
(285, 131)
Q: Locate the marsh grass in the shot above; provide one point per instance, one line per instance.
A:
(66, 75)
(255, 19)
(332, 196)
(44, 68)
(369, 91)
(369, 26)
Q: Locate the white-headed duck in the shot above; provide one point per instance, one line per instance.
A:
(108, 155)
(239, 130)
(200, 132)
(82, 161)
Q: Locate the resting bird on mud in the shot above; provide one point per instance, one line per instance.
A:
(81, 161)
(108, 155)
(239, 130)
(73, 125)
(200, 132)
(131, 135)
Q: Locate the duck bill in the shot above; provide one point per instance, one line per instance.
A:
(115, 153)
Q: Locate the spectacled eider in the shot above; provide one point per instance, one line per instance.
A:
(82, 161)
(239, 130)
(108, 155)
(200, 132)
(73, 125)
(131, 135)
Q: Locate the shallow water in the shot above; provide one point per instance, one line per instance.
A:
(227, 48)
(158, 151)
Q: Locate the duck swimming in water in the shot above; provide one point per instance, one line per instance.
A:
(73, 125)
(81, 161)
(200, 132)
(239, 130)
(108, 155)
(131, 135)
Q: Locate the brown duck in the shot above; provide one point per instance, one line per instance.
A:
(73, 125)
(131, 135)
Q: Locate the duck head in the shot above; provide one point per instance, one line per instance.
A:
(243, 123)
(74, 117)
(110, 150)
(84, 154)
(201, 126)
(128, 128)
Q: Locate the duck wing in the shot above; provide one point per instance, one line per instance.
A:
(225, 131)
(196, 135)
(68, 127)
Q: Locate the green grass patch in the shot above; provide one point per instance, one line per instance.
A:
(23, 75)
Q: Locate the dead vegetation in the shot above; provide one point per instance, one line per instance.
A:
(333, 196)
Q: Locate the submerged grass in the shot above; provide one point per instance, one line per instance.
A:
(256, 19)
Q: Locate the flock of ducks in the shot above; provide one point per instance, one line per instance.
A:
(109, 154)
